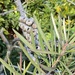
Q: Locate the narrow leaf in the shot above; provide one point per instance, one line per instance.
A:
(9, 67)
(70, 73)
(47, 68)
(26, 68)
(41, 32)
(31, 45)
(29, 57)
(55, 28)
(64, 29)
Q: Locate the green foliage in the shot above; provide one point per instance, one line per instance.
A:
(7, 17)
(62, 57)
(2, 49)
(44, 8)
(56, 17)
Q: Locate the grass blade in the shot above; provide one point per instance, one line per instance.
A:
(31, 45)
(70, 73)
(64, 29)
(26, 53)
(41, 32)
(9, 67)
(26, 68)
(55, 28)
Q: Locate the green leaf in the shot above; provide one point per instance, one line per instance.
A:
(41, 32)
(31, 60)
(41, 41)
(1, 1)
(72, 40)
(31, 45)
(64, 29)
(47, 68)
(32, 39)
(9, 67)
(55, 28)
(24, 41)
(1, 19)
(35, 70)
(68, 70)
(26, 68)
(71, 51)
(5, 31)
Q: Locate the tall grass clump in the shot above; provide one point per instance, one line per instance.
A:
(56, 55)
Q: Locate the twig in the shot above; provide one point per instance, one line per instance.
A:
(71, 2)
(61, 54)
(58, 59)
(8, 47)
(20, 61)
(7, 12)
(24, 69)
(20, 8)
(21, 69)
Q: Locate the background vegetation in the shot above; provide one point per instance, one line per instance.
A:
(62, 17)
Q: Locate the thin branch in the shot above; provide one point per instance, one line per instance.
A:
(16, 47)
(20, 8)
(24, 69)
(9, 47)
(3, 37)
(21, 69)
(71, 2)
(20, 61)
(7, 12)
(61, 54)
